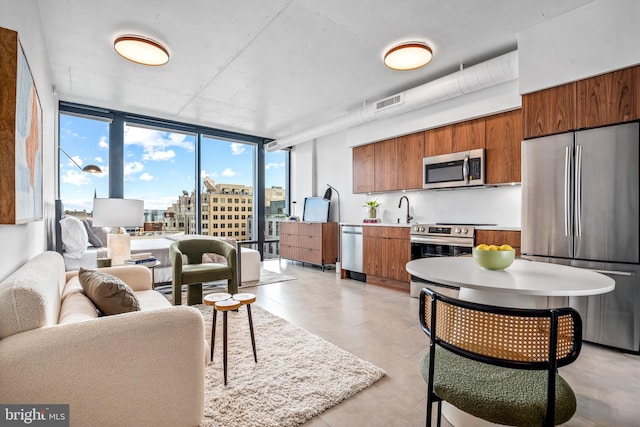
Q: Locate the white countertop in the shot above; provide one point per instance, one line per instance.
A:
(497, 228)
(522, 277)
(394, 224)
(378, 224)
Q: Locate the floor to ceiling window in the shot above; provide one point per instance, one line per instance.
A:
(83, 141)
(228, 174)
(159, 169)
(192, 179)
(276, 171)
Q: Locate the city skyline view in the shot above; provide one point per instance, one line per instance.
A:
(158, 165)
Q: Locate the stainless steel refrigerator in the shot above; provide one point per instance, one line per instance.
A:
(581, 194)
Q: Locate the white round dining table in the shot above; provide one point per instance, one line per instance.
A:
(516, 286)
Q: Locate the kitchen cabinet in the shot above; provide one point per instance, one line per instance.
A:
(549, 111)
(636, 83)
(607, 99)
(503, 147)
(386, 251)
(385, 171)
(468, 135)
(363, 168)
(499, 237)
(312, 242)
(410, 151)
(438, 141)
(389, 165)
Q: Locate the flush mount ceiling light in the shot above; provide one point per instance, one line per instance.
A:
(408, 56)
(141, 50)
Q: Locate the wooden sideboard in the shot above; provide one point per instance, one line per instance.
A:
(311, 242)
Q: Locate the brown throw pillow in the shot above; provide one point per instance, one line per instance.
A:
(109, 294)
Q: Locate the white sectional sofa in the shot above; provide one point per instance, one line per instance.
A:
(143, 368)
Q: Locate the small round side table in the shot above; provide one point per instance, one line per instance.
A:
(211, 300)
(224, 306)
(248, 299)
(224, 302)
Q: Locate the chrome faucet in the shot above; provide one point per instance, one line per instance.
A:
(409, 217)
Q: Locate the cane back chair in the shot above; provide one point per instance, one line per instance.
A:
(499, 364)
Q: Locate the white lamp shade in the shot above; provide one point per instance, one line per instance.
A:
(118, 213)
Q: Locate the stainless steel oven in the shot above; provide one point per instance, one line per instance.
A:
(438, 240)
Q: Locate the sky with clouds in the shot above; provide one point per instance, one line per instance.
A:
(157, 165)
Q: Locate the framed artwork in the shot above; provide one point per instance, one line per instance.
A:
(20, 136)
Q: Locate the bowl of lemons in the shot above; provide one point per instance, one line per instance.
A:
(493, 257)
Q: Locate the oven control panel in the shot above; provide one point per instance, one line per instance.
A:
(443, 230)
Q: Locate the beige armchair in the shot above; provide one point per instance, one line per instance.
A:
(195, 271)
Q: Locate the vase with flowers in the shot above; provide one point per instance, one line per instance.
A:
(373, 205)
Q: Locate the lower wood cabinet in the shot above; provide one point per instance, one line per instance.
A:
(499, 237)
(312, 242)
(386, 251)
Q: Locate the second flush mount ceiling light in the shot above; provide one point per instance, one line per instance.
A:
(141, 50)
(408, 56)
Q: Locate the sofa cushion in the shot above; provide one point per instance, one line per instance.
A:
(76, 306)
(30, 297)
(109, 294)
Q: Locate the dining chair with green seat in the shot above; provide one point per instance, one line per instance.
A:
(195, 271)
(499, 364)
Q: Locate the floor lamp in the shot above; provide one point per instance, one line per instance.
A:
(118, 213)
(88, 168)
(327, 196)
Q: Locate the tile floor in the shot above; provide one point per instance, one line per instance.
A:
(381, 326)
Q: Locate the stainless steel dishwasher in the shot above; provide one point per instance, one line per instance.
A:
(352, 248)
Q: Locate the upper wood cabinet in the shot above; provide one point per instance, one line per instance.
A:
(503, 147)
(549, 111)
(363, 168)
(636, 82)
(597, 101)
(468, 135)
(393, 164)
(607, 99)
(438, 141)
(385, 157)
(410, 151)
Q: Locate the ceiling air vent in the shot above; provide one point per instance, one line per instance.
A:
(389, 102)
(272, 146)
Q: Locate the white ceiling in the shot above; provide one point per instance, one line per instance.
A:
(270, 68)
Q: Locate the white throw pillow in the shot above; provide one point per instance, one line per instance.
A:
(74, 237)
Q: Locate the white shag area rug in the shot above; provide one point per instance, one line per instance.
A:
(298, 375)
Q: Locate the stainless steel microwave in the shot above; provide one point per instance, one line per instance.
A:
(462, 169)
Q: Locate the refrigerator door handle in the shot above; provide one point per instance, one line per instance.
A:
(578, 192)
(567, 217)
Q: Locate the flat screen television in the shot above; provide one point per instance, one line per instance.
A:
(316, 209)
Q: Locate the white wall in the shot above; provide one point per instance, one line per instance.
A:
(594, 39)
(22, 242)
